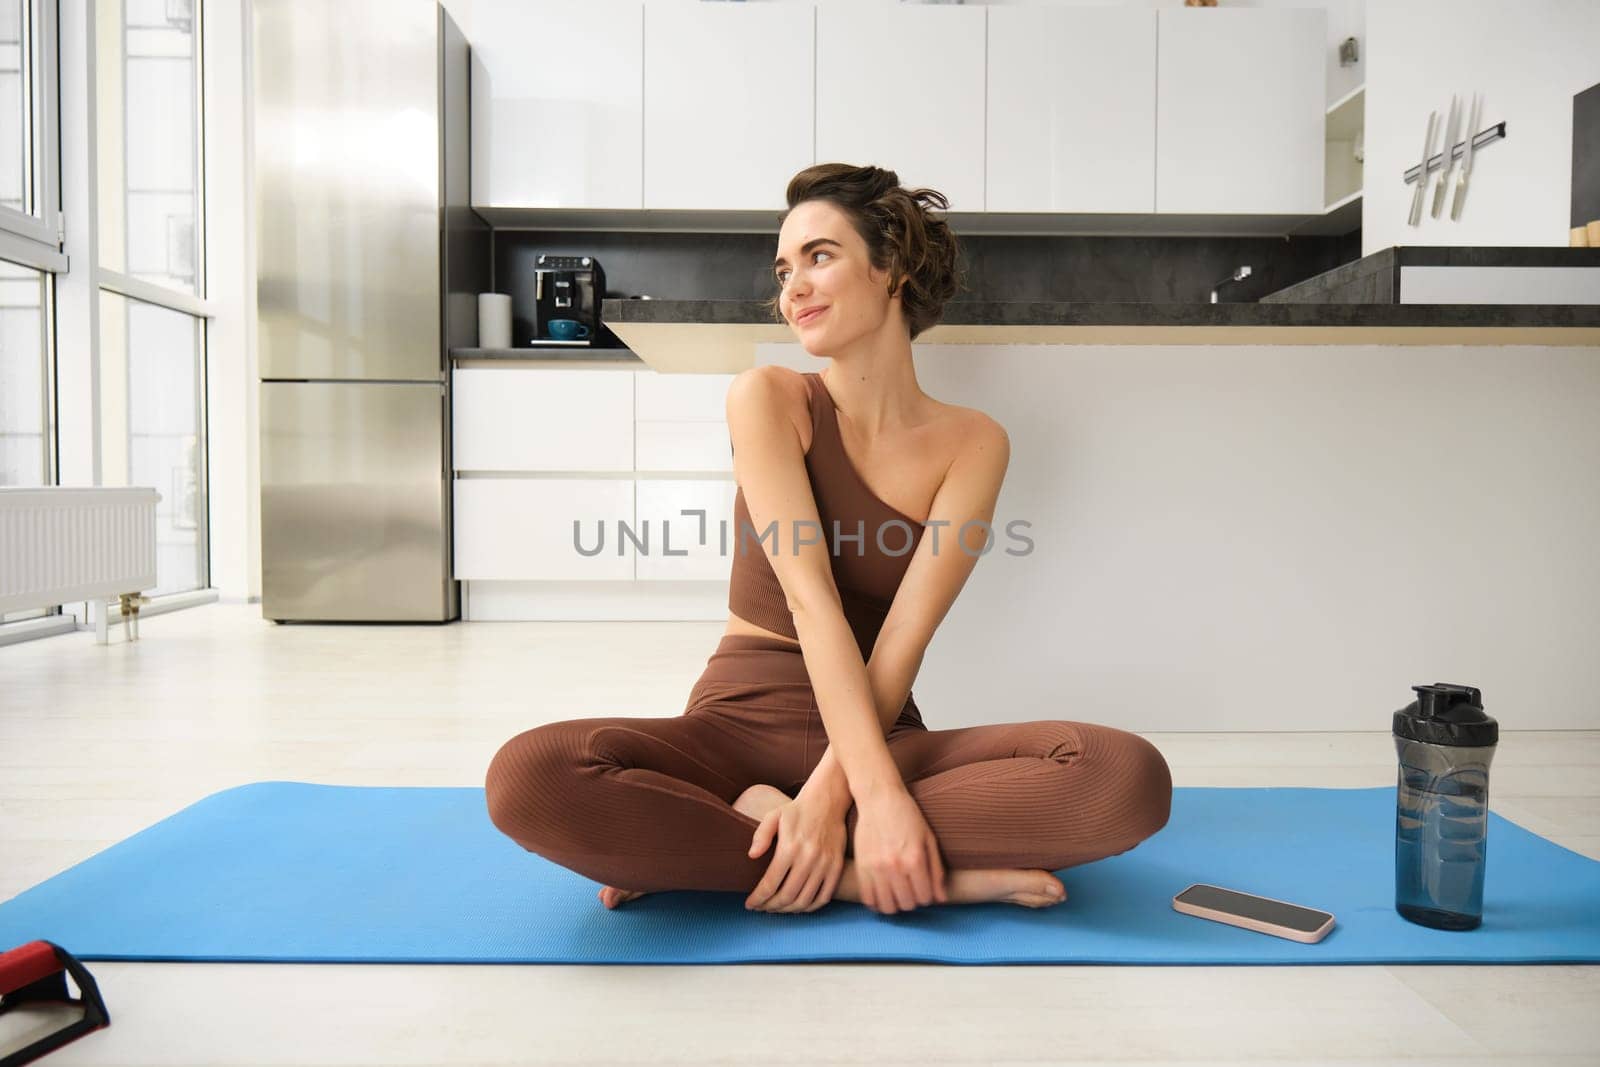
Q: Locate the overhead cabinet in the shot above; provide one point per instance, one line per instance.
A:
(901, 87)
(1008, 108)
(1240, 110)
(1072, 110)
(557, 104)
(729, 103)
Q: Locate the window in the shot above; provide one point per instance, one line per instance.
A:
(29, 175)
(30, 247)
(152, 370)
(149, 126)
(151, 271)
(26, 433)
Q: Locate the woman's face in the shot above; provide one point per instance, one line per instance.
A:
(824, 274)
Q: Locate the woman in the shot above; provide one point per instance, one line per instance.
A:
(800, 769)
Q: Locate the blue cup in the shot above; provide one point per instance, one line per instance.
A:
(567, 329)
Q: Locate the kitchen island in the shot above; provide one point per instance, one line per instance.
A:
(1285, 529)
(1372, 308)
(720, 336)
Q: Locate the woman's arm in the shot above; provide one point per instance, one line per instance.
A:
(890, 672)
(937, 572)
(769, 465)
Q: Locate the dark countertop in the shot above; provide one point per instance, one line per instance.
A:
(1352, 304)
(1375, 279)
(1069, 313)
(551, 354)
(1305, 304)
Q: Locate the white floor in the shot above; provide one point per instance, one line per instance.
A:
(97, 743)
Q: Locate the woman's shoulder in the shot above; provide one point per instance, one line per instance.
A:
(788, 391)
(778, 390)
(973, 438)
(969, 425)
(769, 377)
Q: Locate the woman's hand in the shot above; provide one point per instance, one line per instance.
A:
(808, 861)
(897, 855)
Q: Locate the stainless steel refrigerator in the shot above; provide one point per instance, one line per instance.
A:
(368, 260)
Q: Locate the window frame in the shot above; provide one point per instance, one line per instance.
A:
(48, 401)
(196, 304)
(44, 228)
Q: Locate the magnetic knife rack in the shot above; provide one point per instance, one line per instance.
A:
(1457, 150)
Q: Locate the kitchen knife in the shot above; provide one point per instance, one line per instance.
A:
(1466, 158)
(1452, 128)
(1422, 178)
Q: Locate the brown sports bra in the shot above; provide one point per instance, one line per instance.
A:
(867, 569)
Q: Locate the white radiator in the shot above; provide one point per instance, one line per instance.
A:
(63, 545)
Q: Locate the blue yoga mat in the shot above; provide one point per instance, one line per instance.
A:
(291, 872)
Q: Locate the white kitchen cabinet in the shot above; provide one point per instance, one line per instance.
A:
(1240, 110)
(680, 422)
(681, 396)
(681, 446)
(1071, 109)
(729, 99)
(521, 529)
(557, 104)
(534, 448)
(901, 87)
(661, 504)
(515, 419)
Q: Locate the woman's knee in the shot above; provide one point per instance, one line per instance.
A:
(1148, 783)
(524, 782)
(1139, 774)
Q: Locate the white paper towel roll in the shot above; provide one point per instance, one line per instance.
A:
(494, 320)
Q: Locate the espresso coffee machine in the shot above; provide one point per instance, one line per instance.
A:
(567, 287)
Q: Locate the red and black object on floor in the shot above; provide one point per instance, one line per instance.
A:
(36, 973)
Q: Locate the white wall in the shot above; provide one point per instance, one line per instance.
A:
(1275, 537)
(1527, 59)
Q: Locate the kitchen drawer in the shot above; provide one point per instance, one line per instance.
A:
(661, 503)
(682, 446)
(523, 419)
(521, 528)
(699, 397)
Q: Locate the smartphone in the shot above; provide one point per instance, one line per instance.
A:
(1261, 914)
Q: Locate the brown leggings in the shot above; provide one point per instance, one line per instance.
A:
(646, 803)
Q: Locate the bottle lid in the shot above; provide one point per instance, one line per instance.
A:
(1447, 714)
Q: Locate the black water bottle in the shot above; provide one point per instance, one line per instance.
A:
(1445, 743)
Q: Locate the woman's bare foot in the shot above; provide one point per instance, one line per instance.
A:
(1031, 888)
(611, 897)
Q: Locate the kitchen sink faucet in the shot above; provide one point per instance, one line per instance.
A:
(1238, 275)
